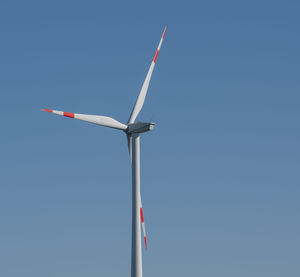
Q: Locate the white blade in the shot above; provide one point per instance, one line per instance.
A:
(143, 223)
(96, 119)
(141, 98)
(129, 142)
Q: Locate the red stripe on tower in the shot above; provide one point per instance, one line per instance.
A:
(69, 114)
(142, 217)
(155, 56)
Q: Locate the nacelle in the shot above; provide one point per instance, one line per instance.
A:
(139, 127)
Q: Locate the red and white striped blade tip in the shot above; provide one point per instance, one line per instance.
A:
(46, 110)
(164, 32)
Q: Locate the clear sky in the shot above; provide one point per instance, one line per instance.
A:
(220, 171)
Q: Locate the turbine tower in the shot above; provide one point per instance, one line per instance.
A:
(133, 130)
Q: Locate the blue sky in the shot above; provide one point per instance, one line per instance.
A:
(220, 171)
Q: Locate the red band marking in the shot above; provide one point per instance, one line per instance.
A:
(45, 110)
(142, 217)
(145, 242)
(69, 114)
(155, 57)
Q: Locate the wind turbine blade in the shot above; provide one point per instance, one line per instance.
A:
(96, 119)
(143, 223)
(142, 95)
(129, 144)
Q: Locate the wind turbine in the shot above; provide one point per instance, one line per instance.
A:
(133, 130)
